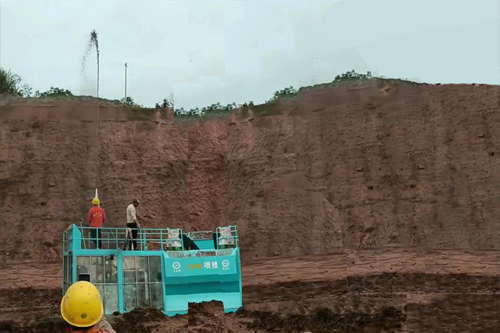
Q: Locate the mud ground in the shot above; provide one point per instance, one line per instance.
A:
(381, 290)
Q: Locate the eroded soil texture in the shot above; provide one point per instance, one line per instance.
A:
(369, 165)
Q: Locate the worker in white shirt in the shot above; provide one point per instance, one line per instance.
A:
(133, 222)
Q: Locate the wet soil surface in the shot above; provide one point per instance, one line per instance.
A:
(336, 293)
(424, 283)
(454, 313)
(323, 320)
(28, 304)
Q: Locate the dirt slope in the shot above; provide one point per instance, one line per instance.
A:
(395, 165)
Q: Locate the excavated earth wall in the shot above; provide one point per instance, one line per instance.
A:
(361, 166)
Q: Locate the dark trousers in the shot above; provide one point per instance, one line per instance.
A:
(133, 226)
(95, 234)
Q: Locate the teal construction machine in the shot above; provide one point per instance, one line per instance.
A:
(169, 270)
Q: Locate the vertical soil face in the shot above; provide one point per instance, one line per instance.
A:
(372, 165)
(208, 181)
(403, 166)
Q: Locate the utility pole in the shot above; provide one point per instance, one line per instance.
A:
(125, 81)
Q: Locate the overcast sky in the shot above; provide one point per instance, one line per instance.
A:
(210, 51)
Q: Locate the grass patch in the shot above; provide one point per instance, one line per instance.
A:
(185, 118)
(352, 81)
(218, 114)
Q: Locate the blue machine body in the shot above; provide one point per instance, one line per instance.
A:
(167, 271)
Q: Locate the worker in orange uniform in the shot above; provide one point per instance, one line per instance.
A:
(96, 218)
(82, 309)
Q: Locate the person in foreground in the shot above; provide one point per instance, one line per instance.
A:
(82, 309)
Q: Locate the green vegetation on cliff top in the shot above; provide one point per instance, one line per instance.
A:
(11, 84)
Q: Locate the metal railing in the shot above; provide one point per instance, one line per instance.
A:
(170, 240)
(226, 237)
(122, 238)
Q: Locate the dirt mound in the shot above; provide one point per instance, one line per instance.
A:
(209, 317)
(206, 317)
(139, 320)
(147, 320)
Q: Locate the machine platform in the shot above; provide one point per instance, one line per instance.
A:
(169, 270)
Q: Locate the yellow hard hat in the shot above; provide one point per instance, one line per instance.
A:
(81, 306)
(95, 201)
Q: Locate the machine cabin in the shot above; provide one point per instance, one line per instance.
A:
(170, 269)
